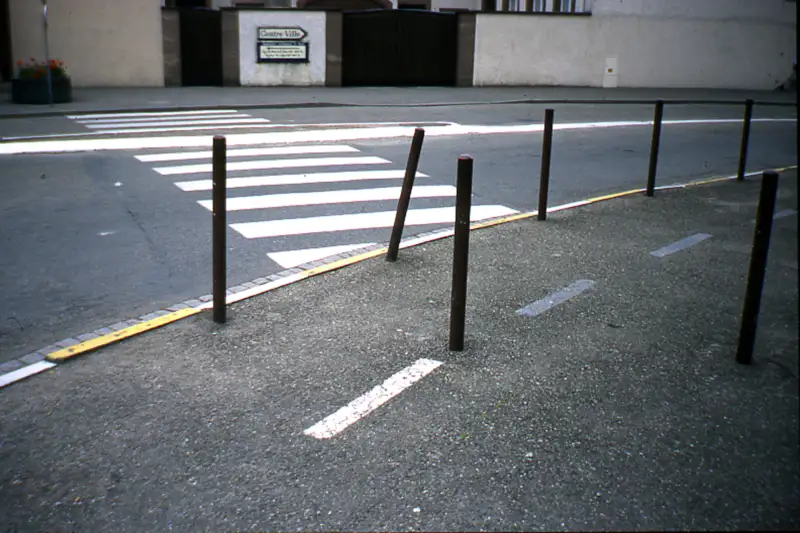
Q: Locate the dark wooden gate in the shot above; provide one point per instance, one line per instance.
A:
(5, 42)
(201, 46)
(397, 47)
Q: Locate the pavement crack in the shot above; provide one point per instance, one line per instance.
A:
(139, 225)
(152, 245)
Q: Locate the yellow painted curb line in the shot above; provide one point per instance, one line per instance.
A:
(730, 178)
(596, 199)
(572, 205)
(347, 261)
(105, 340)
(117, 336)
(611, 196)
(708, 181)
(503, 220)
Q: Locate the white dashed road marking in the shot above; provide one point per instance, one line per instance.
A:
(366, 403)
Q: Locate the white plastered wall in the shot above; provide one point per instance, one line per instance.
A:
(772, 10)
(727, 44)
(273, 74)
(104, 43)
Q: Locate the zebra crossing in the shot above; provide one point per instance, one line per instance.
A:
(356, 191)
(168, 121)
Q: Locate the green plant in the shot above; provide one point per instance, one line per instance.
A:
(34, 69)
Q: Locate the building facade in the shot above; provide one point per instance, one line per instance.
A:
(732, 44)
(431, 5)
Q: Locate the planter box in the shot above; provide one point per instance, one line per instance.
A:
(35, 91)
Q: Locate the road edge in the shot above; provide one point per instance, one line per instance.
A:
(311, 105)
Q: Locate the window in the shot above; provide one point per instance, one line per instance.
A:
(560, 6)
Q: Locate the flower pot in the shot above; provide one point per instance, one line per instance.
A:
(34, 91)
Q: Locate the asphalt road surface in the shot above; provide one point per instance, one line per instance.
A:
(335, 404)
(94, 236)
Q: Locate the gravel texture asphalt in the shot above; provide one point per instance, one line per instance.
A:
(622, 408)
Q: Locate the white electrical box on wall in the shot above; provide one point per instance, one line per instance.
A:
(610, 73)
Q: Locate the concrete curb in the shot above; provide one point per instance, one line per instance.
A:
(64, 350)
(307, 105)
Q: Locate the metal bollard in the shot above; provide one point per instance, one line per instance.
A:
(758, 267)
(654, 147)
(458, 298)
(748, 116)
(544, 174)
(218, 230)
(405, 194)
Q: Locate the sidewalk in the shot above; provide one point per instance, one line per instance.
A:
(621, 408)
(188, 98)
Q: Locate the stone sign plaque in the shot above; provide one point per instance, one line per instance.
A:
(282, 45)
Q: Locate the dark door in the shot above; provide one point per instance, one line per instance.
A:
(398, 48)
(201, 46)
(5, 42)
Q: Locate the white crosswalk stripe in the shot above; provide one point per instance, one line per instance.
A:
(152, 114)
(184, 128)
(354, 205)
(380, 219)
(297, 179)
(156, 120)
(250, 152)
(330, 197)
(167, 121)
(214, 122)
(274, 163)
(295, 258)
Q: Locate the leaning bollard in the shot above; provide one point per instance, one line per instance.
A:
(405, 194)
(758, 267)
(748, 116)
(544, 174)
(218, 230)
(458, 298)
(654, 147)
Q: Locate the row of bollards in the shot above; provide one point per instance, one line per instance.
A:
(655, 146)
(758, 259)
(655, 142)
